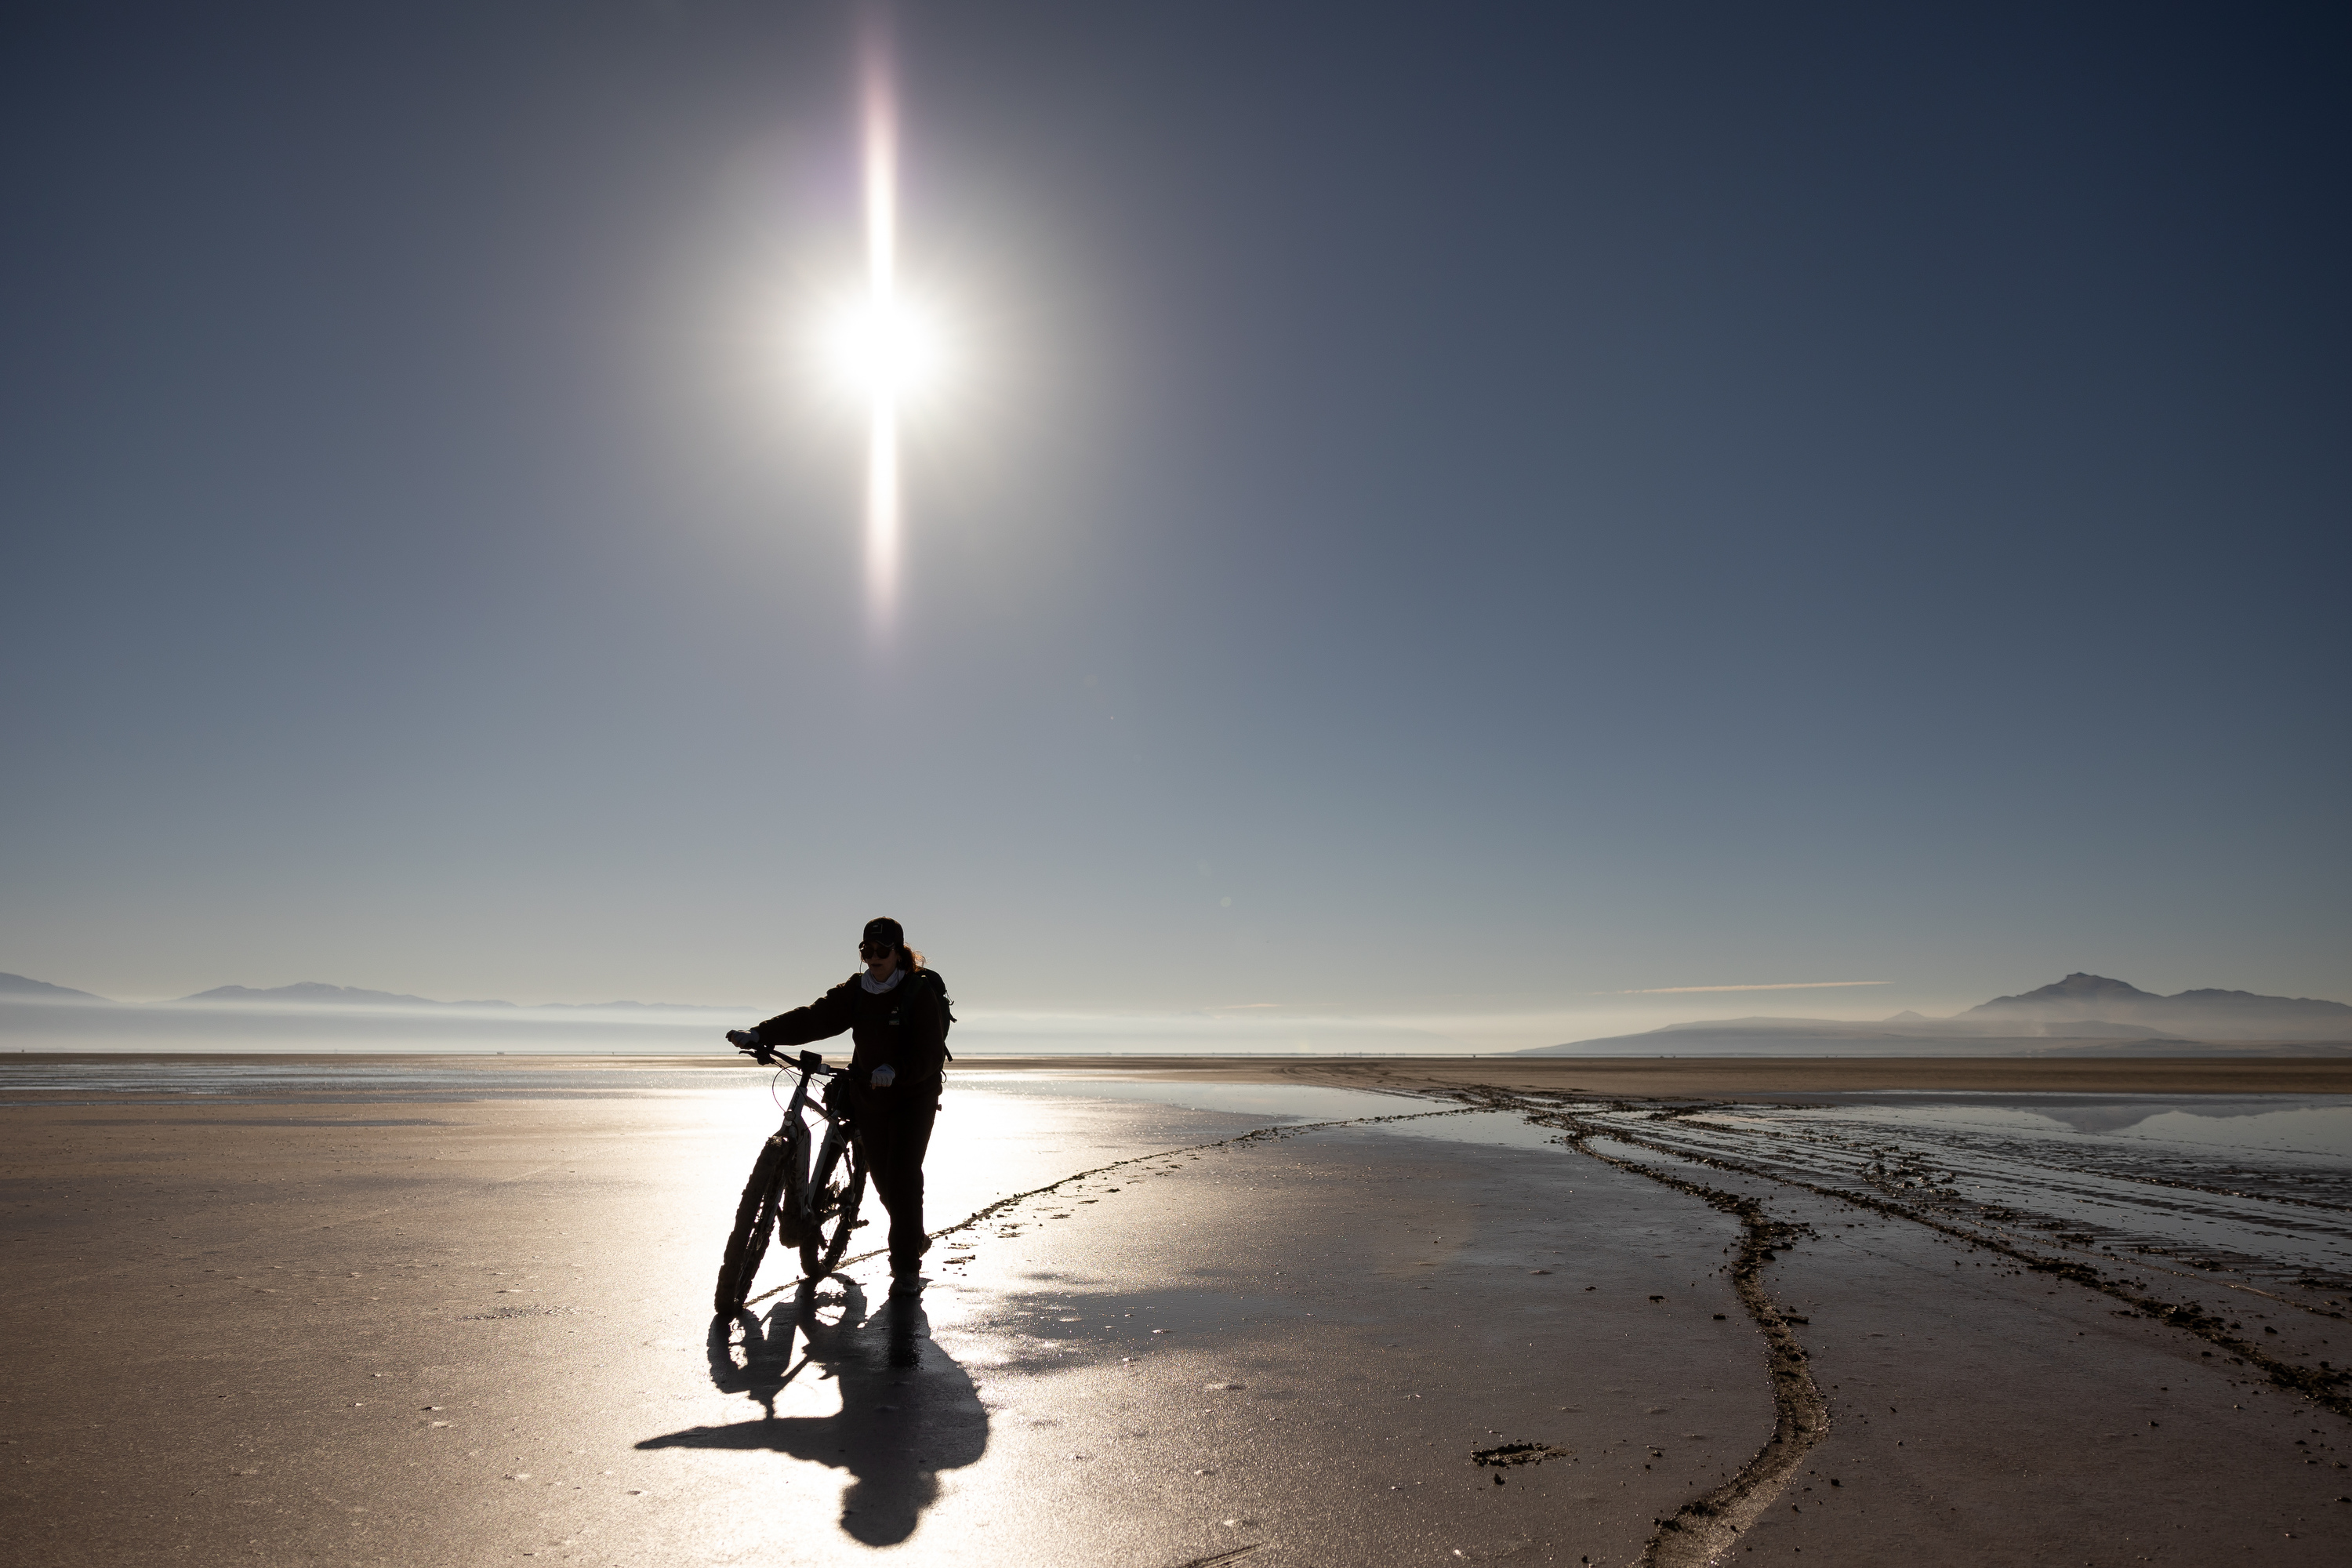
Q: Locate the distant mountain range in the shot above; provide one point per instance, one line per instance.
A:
(2083, 1015)
(308, 992)
(312, 993)
(2211, 1015)
(41, 990)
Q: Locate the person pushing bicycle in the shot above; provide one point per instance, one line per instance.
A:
(896, 1011)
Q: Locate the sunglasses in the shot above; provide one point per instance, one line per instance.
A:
(876, 948)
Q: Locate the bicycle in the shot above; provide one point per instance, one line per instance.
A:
(803, 1188)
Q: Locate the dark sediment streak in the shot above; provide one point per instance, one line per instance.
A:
(1706, 1526)
(2327, 1389)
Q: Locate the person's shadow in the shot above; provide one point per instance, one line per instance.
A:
(907, 1410)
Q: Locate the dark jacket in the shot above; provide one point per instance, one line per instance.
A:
(905, 1026)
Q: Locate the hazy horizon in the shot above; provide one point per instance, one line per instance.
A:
(256, 1021)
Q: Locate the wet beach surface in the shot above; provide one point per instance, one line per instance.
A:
(307, 1311)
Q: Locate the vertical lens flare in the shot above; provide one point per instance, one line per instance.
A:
(887, 353)
(882, 328)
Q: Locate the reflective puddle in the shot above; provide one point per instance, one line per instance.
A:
(2256, 1189)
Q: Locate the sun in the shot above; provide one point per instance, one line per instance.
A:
(885, 352)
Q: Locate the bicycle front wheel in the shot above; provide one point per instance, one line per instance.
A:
(755, 1221)
(836, 1187)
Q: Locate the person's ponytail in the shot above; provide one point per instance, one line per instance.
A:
(908, 958)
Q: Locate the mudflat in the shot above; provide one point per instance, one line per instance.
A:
(1659, 1077)
(1650, 1076)
(1372, 1312)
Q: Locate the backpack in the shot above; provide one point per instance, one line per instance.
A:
(938, 988)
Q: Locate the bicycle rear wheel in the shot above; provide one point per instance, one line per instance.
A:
(837, 1186)
(755, 1220)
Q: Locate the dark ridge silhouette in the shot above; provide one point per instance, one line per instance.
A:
(311, 990)
(2206, 1014)
(18, 985)
(2077, 987)
(2081, 1015)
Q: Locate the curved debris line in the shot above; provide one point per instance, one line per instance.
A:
(1256, 1135)
(2148, 1259)
(1707, 1527)
(2327, 1389)
(2178, 1183)
(1219, 1560)
(1991, 1215)
(2103, 1173)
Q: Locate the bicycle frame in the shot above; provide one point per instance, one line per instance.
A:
(808, 1210)
(793, 1193)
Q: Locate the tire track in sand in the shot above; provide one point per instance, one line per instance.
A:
(1706, 1528)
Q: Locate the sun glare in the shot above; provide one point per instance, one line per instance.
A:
(885, 352)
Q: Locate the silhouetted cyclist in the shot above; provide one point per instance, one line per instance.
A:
(895, 1010)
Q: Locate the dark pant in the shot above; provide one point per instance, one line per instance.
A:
(895, 1133)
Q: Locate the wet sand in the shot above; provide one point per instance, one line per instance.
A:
(1731, 1076)
(1641, 1076)
(460, 1314)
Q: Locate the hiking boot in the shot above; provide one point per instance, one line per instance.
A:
(907, 1282)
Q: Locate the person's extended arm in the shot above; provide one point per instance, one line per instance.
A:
(829, 1016)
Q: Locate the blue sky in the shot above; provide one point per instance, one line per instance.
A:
(1444, 515)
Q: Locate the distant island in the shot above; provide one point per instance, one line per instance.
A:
(310, 1016)
(2215, 1014)
(307, 992)
(314, 993)
(17, 986)
(2081, 1015)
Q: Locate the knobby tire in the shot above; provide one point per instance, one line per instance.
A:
(829, 1237)
(755, 1221)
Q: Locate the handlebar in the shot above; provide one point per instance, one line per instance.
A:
(809, 1062)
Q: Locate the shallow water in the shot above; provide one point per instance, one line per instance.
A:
(2293, 1124)
(1277, 1102)
(2257, 1189)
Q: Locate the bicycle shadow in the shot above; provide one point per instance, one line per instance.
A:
(907, 1410)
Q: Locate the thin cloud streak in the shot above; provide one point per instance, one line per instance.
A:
(1777, 985)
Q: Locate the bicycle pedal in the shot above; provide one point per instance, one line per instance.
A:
(860, 1224)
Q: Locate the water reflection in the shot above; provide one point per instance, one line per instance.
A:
(2288, 1124)
(2253, 1188)
(1271, 1102)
